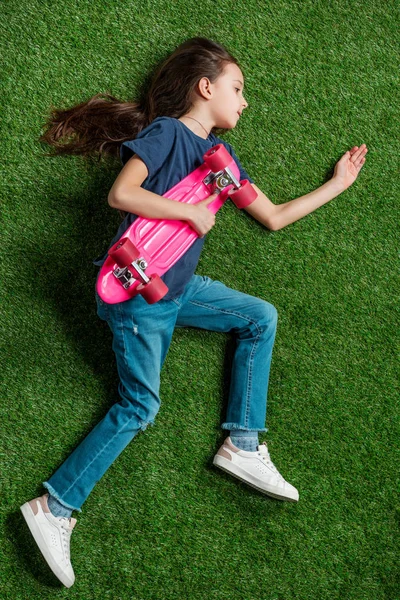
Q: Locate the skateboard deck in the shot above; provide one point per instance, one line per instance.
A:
(160, 243)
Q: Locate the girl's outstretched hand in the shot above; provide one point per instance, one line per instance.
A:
(349, 166)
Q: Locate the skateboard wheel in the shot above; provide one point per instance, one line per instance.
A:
(244, 195)
(217, 158)
(154, 290)
(124, 252)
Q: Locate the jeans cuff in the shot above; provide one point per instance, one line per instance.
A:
(53, 493)
(233, 426)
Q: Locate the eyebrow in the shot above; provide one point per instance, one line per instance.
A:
(241, 82)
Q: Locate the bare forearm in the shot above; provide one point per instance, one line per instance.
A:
(149, 205)
(146, 204)
(292, 211)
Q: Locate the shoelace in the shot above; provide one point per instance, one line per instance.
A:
(65, 535)
(267, 459)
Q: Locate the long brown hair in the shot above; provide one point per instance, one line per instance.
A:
(102, 123)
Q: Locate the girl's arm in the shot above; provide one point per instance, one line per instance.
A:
(276, 217)
(127, 195)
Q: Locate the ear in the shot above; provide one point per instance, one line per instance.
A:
(204, 88)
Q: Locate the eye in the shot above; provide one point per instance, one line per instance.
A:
(237, 89)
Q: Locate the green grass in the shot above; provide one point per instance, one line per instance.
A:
(163, 524)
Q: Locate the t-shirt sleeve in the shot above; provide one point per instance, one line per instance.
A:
(153, 145)
(243, 172)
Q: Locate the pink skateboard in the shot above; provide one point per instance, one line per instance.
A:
(149, 247)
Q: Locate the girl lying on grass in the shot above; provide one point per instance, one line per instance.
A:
(197, 90)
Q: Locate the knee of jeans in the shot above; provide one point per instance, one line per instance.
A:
(148, 414)
(142, 408)
(268, 317)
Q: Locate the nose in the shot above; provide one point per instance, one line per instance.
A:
(245, 104)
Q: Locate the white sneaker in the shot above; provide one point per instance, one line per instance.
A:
(52, 535)
(256, 469)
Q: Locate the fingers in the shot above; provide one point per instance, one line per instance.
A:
(358, 158)
(357, 155)
(358, 152)
(202, 218)
(210, 199)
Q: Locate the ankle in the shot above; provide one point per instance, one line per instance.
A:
(245, 440)
(57, 508)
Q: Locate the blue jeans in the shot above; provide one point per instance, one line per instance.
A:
(141, 337)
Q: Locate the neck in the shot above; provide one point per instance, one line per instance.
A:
(198, 124)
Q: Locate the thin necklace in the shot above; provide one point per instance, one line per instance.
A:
(186, 117)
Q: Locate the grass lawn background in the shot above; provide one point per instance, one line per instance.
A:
(163, 524)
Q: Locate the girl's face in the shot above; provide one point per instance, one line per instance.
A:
(227, 101)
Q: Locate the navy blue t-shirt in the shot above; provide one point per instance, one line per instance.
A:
(170, 151)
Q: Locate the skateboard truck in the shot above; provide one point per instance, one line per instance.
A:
(129, 271)
(125, 276)
(221, 179)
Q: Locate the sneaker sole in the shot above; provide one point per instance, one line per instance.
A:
(40, 541)
(227, 466)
